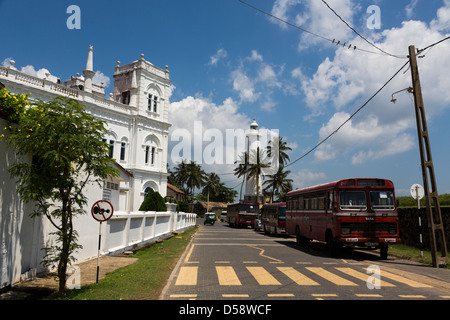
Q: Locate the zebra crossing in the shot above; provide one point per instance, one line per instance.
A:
(302, 276)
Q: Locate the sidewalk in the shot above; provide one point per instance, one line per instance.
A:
(46, 284)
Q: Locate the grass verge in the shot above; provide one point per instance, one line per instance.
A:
(411, 253)
(142, 280)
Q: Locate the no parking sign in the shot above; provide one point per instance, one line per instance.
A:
(102, 210)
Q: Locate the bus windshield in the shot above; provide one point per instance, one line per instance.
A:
(248, 208)
(352, 200)
(382, 200)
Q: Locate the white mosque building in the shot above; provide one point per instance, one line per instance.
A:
(136, 114)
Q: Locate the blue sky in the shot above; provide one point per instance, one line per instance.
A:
(231, 64)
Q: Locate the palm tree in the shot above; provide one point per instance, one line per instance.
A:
(281, 147)
(279, 182)
(211, 186)
(179, 174)
(240, 170)
(258, 164)
(195, 177)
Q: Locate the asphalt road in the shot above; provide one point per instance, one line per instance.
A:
(228, 263)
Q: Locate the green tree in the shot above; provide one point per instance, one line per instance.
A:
(256, 168)
(153, 202)
(241, 169)
(281, 148)
(66, 146)
(211, 186)
(279, 182)
(195, 177)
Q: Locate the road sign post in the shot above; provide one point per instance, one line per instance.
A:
(102, 210)
(417, 192)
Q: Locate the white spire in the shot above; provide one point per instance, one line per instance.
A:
(89, 71)
(90, 59)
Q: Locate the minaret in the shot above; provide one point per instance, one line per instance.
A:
(89, 71)
(252, 138)
(133, 88)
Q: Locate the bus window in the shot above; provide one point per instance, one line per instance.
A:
(282, 213)
(352, 200)
(382, 200)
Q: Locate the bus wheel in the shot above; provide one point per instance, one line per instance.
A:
(301, 241)
(383, 252)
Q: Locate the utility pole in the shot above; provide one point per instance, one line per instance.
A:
(435, 223)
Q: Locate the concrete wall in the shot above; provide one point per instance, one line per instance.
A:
(410, 230)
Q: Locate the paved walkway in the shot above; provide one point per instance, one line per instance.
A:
(45, 284)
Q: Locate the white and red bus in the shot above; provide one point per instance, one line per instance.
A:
(242, 214)
(349, 212)
(273, 217)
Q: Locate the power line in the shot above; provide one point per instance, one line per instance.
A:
(362, 37)
(358, 110)
(432, 45)
(333, 41)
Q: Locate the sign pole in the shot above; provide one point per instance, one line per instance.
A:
(102, 210)
(98, 252)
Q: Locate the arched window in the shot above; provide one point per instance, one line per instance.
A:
(153, 98)
(151, 146)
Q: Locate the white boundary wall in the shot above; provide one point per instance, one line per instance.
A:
(21, 253)
(126, 230)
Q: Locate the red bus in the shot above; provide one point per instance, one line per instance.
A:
(350, 212)
(242, 214)
(273, 217)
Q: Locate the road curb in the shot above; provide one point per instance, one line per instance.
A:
(177, 267)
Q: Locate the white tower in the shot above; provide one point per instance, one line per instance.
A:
(89, 71)
(252, 145)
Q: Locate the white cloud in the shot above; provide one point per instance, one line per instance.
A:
(255, 56)
(255, 79)
(410, 8)
(100, 78)
(7, 62)
(244, 85)
(280, 10)
(194, 113)
(220, 54)
(41, 73)
(316, 17)
(342, 83)
(306, 178)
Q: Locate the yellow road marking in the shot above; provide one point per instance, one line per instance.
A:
(262, 255)
(324, 295)
(187, 276)
(404, 280)
(363, 276)
(221, 261)
(280, 295)
(183, 296)
(188, 256)
(227, 276)
(262, 276)
(411, 296)
(297, 277)
(235, 295)
(364, 295)
(331, 277)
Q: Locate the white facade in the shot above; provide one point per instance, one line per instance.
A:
(136, 114)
